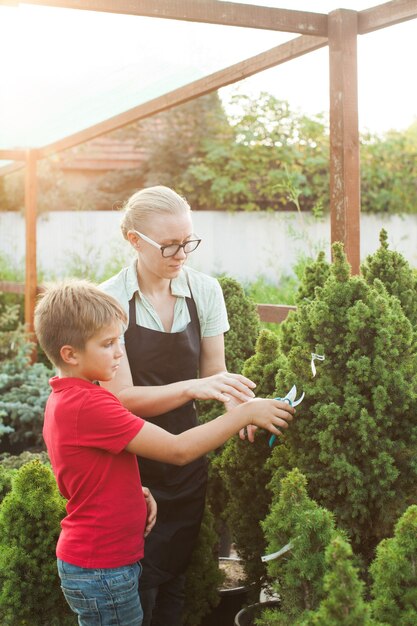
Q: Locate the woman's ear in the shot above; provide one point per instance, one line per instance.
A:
(68, 355)
(133, 239)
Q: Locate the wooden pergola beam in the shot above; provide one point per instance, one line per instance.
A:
(387, 14)
(13, 155)
(207, 11)
(344, 134)
(234, 73)
(30, 221)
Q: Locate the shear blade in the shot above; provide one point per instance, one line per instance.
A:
(291, 395)
(300, 399)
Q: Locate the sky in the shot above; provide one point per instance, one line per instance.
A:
(64, 70)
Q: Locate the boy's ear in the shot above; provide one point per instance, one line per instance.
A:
(69, 355)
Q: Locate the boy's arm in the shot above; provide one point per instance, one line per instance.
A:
(155, 443)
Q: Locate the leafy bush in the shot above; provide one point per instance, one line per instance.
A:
(24, 389)
(394, 573)
(203, 576)
(5, 481)
(239, 341)
(30, 516)
(10, 461)
(398, 277)
(355, 434)
(244, 473)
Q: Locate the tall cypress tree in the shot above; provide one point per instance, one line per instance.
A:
(354, 436)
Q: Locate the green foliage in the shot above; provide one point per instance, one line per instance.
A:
(13, 339)
(24, 389)
(54, 190)
(297, 520)
(11, 461)
(5, 481)
(30, 516)
(203, 576)
(343, 604)
(239, 341)
(276, 149)
(399, 278)
(244, 474)
(315, 275)
(389, 172)
(354, 436)
(394, 573)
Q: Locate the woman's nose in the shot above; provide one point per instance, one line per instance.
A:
(181, 254)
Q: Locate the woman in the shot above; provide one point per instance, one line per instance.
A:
(175, 354)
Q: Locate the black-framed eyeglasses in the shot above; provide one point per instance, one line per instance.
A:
(173, 248)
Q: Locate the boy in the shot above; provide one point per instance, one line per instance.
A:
(92, 441)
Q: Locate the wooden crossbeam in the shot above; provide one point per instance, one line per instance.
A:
(13, 155)
(386, 14)
(207, 11)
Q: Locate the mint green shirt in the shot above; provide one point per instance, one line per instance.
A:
(206, 292)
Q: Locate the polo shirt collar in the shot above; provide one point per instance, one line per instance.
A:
(179, 285)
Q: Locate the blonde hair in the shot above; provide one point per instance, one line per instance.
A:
(70, 313)
(143, 205)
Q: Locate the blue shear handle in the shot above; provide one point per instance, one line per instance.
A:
(273, 437)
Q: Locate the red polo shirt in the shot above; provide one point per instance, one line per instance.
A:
(86, 430)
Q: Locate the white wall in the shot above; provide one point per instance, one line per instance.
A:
(243, 245)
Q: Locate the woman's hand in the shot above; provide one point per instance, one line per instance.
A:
(151, 508)
(224, 387)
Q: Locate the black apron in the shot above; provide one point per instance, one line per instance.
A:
(159, 358)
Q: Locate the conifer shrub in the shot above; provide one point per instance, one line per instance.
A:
(240, 343)
(354, 436)
(30, 516)
(15, 461)
(243, 470)
(394, 574)
(203, 576)
(24, 389)
(394, 271)
(5, 481)
(240, 339)
(315, 572)
(344, 603)
(306, 529)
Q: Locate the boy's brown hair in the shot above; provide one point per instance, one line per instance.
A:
(70, 313)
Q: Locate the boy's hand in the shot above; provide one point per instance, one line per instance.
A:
(151, 507)
(269, 414)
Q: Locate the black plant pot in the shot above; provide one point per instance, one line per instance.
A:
(247, 616)
(231, 601)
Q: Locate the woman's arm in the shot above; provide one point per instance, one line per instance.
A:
(150, 401)
(155, 443)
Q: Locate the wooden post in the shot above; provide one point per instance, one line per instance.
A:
(344, 134)
(30, 221)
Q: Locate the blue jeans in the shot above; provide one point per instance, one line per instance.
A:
(102, 597)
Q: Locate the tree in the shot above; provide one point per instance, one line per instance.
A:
(302, 530)
(343, 604)
(394, 574)
(30, 516)
(389, 171)
(354, 437)
(398, 277)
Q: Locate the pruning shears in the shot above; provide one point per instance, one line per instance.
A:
(290, 399)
